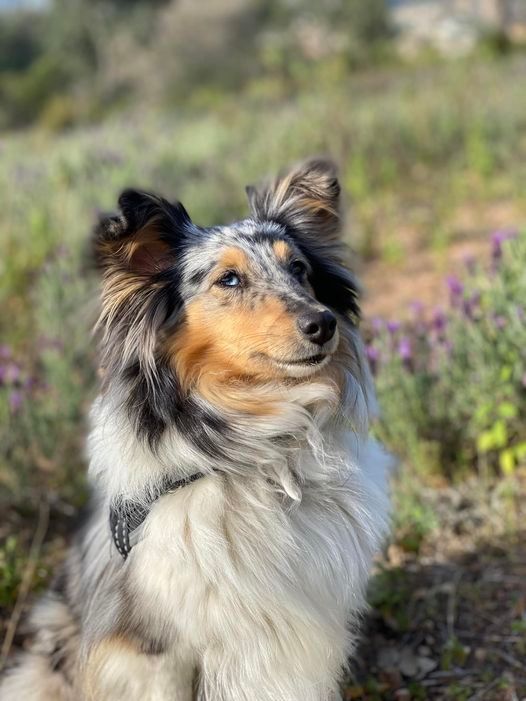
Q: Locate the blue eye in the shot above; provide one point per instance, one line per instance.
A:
(230, 279)
(298, 269)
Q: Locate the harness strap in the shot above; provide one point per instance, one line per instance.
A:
(127, 515)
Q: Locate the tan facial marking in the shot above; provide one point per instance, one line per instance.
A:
(234, 259)
(282, 250)
(219, 349)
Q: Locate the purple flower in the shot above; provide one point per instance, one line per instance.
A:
(377, 324)
(30, 383)
(439, 320)
(497, 239)
(9, 373)
(373, 355)
(393, 327)
(500, 321)
(470, 305)
(456, 289)
(15, 400)
(404, 349)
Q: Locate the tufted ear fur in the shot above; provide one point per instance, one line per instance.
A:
(144, 237)
(305, 198)
(137, 251)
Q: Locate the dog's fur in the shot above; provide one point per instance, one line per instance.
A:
(247, 583)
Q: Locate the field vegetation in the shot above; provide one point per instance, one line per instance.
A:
(433, 164)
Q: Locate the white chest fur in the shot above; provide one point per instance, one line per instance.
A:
(249, 581)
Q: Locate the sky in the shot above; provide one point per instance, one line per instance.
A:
(12, 4)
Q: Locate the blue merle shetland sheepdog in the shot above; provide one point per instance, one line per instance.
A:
(237, 497)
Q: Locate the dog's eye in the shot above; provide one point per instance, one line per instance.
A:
(230, 279)
(298, 269)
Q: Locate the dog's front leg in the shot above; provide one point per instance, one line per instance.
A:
(268, 671)
(117, 671)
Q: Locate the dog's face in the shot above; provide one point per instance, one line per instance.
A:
(250, 309)
(264, 299)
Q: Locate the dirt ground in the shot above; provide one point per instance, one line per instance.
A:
(419, 274)
(449, 621)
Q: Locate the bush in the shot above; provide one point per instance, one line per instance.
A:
(452, 383)
(43, 394)
(25, 94)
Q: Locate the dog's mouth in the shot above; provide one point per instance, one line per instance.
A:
(300, 367)
(310, 360)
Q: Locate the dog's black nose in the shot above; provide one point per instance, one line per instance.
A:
(318, 327)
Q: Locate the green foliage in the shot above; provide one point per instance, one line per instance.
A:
(453, 385)
(454, 654)
(388, 594)
(20, 41)
(25, 95)
(12, 561)
(84, 47)
(413, 518)
(42, 395)
(13, 568)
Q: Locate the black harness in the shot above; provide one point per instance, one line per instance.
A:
(127, 515)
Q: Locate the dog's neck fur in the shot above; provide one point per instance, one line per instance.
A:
(292, 442)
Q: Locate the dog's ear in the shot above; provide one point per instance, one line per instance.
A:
(305, 198)
(144, 237)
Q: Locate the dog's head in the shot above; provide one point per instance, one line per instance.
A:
(264, 300)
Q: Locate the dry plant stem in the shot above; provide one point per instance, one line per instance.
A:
(27, 579)
(479, 695)
(452, 605)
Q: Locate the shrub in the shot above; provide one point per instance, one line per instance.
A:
(452, 382)
(43, 394)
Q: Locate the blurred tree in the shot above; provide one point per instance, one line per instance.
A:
(85, 56)
(20, 40)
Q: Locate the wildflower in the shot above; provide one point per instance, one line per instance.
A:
(497, 239)
(439, 320)
(456, 290)
(373, 355)
(15, 400)
(405, 351)
(499, 321)
(393, 327)
(404, 348)
(377, 324)
(470, 305)
(9, 373)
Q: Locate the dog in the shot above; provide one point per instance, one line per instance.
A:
(238, 499)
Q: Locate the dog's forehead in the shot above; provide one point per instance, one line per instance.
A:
(256, 238)
(263, 245)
